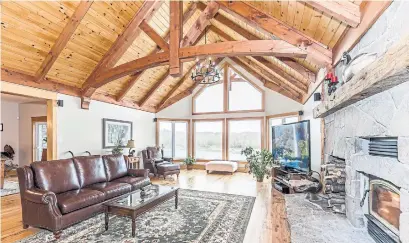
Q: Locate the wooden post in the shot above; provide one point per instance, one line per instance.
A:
(51, 130)
(176, 31)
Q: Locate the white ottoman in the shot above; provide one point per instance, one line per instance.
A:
(223, 166)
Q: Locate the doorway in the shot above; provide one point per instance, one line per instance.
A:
(39, 132)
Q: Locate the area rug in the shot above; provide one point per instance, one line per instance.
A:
(9, 188)
(309, 223)
(201, 217)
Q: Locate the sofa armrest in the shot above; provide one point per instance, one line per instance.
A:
(40, 196)
(138, 172)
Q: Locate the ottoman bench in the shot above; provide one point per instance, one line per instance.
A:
(221, 166)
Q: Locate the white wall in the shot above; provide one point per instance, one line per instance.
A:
(315, 132)
(10, 133)
(80, 130)
(26, 112)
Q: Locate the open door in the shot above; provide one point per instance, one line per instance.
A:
(39, 138)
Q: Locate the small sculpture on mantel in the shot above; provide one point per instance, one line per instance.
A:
(332, 82)
(355, 65)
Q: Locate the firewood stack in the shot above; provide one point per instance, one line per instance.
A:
(334, 183)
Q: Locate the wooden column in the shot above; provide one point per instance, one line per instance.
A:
(176, 31)
(51, 129)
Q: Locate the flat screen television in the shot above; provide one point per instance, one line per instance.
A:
(291, 145)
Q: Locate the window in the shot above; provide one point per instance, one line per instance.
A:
(243, 95)
(208, 140)
(234, 93)
(242, 134)
(173, 136)
(209, 99)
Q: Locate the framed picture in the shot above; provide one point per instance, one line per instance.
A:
(115, 131)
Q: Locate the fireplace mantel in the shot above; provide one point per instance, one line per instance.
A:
(387, 71)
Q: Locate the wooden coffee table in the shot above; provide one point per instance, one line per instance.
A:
(134, 203)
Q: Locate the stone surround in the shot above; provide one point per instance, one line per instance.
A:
(382, 115)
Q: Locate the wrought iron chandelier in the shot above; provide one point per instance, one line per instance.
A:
(205, 73)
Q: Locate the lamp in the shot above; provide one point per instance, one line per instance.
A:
(131, 145)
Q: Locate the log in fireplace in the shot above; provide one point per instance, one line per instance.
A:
(384, 211)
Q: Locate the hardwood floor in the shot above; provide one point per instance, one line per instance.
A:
(268, 222)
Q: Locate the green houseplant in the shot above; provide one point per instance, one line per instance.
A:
(259, 162)
(189, 162)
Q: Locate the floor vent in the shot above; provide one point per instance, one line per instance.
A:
(383, 147)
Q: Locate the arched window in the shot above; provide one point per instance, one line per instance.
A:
(234, 93)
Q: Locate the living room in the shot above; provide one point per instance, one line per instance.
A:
(263, 121)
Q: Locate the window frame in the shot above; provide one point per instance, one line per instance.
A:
(277, 116)
(262, 135)
(223, 120)
(226, 81)
(158, 120)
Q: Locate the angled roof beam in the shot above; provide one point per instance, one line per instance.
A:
(201, 23)
(308, 75)
(121, 44)
(176, 32)
(135, 77)
(345, 11)
(145, 27)
(317, 52)
(276, 48)
(294, 65)
(152, 90)
(63, 39)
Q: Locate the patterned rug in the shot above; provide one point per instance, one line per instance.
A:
(10, 187)
(201, 217)
(309, 223)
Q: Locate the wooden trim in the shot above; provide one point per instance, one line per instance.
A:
(145, 27)
(176, 32)
(51, 130)
(317, 52)
(33, 121)
(345, 11)
(121, 44)
(63, 39)
(277, 48)
(371, 11)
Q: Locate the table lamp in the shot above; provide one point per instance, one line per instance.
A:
(131, 145)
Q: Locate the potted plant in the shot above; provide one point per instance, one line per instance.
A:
(259, 162)
(189, 162)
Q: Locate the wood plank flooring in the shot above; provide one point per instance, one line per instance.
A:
(268, 222)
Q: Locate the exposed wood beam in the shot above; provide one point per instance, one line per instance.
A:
(135, 77)
(63, 39)
(122, 43)
(55, 86)
(152, 90)
(370, 13)
(145, 27)
(173, 90)
(277, 48)
(176, 31)
(131, 82)
(317, 52)
(346, 11)
(271, 82)
(201, 23)
(175, 99)
(285, 76)
(305, 73)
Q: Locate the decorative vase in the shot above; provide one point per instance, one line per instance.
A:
(260, 179)
(189, 167)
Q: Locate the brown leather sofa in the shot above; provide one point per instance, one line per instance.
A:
(57, 194)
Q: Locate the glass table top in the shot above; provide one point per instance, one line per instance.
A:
(139, 198)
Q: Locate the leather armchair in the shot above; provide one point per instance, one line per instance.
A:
(154, 161)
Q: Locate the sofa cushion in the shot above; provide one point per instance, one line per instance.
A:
(135, 182)
(77, 199)
(115, 166)
(111, 189)
(56, 176)
(90, 170)
(167, 167)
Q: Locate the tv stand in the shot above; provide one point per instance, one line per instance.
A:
(281, 177)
